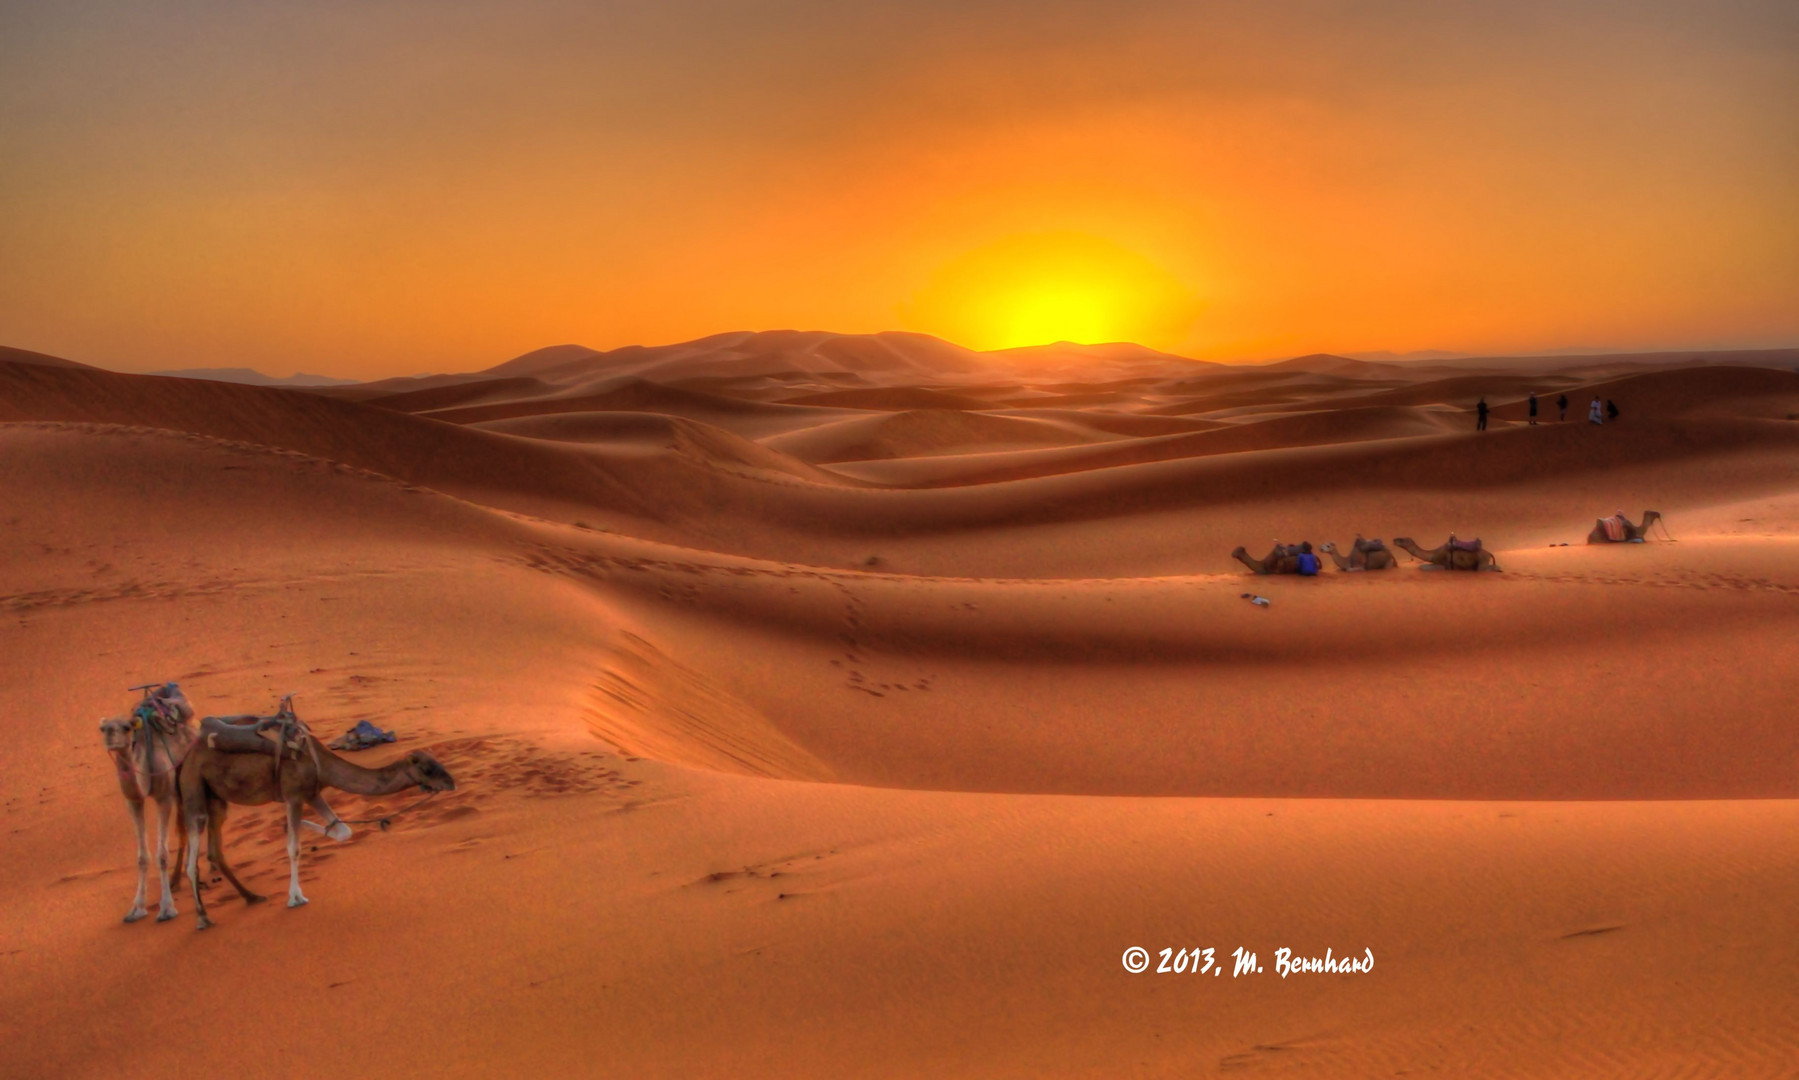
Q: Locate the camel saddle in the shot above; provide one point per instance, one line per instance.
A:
(239, 734)
(1464, 545)
(1616, 527)
(1370, 545)
(163, 709)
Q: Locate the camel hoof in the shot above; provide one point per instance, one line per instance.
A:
(339, 831)
(165, 916)
(254, 899)
(297, 901)
(135, 914)
(203, 924)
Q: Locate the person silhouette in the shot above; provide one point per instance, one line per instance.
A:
(1533, 408)
(1480, 410)
(1595, 412)
(1562, 404)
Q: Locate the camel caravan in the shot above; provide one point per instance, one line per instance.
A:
(1452, 554)
(199, 770)
(1364, 554)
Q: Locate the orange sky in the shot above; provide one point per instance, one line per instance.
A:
(371, 188)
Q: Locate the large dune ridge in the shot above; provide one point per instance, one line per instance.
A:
(859, 736)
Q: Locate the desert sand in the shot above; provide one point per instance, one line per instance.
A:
(825, 705)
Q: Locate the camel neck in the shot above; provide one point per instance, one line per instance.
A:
(346, 776)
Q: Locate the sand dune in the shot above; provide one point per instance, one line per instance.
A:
(751, 419)
(461, 394)
(1713, 391)
(921, 432)
(9, 355)
(876, 770)
(890, 399)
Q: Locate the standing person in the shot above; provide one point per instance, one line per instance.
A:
(1562, 404)
(1480, 410)
(1611, 409)
(1595, 414)
(1533, 408)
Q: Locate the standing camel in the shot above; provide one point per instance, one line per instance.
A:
(1627, 531)
(1363, 555)
(1284, 559)
(146, 748)
(1449, 556)
(212, 779)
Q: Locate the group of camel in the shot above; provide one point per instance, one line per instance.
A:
(1452, 554)
(162, 756)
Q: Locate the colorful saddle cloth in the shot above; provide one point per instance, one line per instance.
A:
(1616, 528)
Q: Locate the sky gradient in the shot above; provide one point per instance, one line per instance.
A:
(373, 188)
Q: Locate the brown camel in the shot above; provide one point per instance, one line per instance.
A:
(1450, 557)
(1284, 559)
(1362, 556)
(213, 779)
(147, 747)
(1631, 532)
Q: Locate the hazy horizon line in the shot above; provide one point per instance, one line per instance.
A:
(1370, 355)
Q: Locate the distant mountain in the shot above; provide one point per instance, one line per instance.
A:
(1386, 356)
(884, 358)
(1115, 352)
(251, 377)
(1331, 364)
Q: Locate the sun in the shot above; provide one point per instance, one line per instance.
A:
(1038, 288)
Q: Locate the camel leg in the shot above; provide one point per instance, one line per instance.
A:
(335, 827)
(143, 861)
(294, 896)
(215, 851)
(165, 809)
(194, 811)
(180, 863)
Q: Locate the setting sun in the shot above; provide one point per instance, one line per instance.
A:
(1046, 287)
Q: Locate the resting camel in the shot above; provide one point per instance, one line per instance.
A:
(147, 747)
(1449, 556)
(1631, 532)
(213, 778)
(1362, 556)
(1284, 559)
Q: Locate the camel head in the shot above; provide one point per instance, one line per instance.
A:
(424, 770)
(116, 732)
(1240, 552)
(1651, 515)
(1330, 547)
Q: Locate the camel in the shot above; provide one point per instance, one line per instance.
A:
(1449, 556)
(212, 779)
(1631, 532)
(147, 747)
(1284, 559)
(1362, 556)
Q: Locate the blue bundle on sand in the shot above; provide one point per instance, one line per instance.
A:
(362, 736)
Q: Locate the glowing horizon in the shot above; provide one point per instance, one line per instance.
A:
(407, 186)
